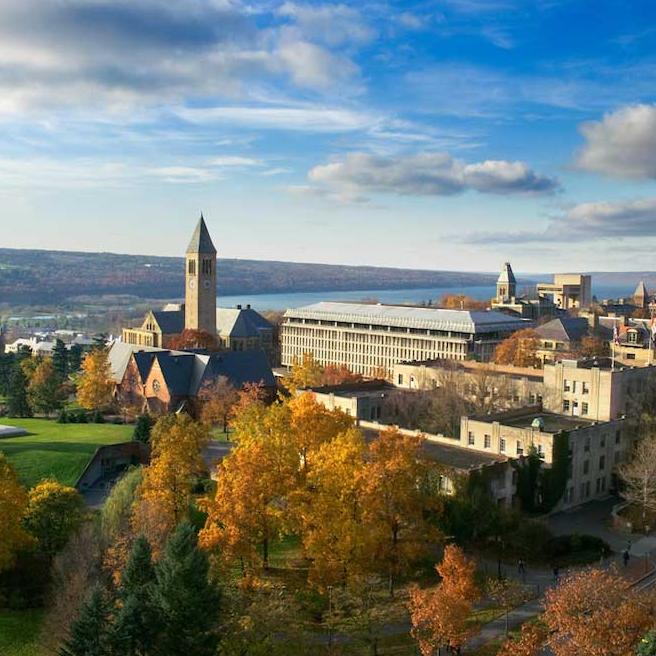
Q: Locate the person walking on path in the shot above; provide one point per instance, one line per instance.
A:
(521, 569)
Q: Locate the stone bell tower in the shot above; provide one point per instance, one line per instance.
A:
(506, 284)
(200, 279)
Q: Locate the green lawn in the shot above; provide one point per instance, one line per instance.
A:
(19, 631)
(60, 451)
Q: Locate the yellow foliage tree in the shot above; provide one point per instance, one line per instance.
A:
(165, 491)
(306, 372)
(331, 511)
(95, 387)
(13, 506)
(394, 502)
(520, 349)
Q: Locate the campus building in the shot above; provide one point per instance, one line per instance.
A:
(589, 450)
(371, 339)
(568, 291)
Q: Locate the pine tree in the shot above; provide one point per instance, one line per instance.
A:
(17, 403)
(75, 358)
(142, 429)
(89, 634)
(186, 599)
(60, 359)
(137, 622)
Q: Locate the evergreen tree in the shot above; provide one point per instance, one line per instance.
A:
(60, 359)
(187, 600)
(137, 622)
(647, 646)
(7, 364)
(17, 403)
(89, 634)
(74, 358)
(142, 429)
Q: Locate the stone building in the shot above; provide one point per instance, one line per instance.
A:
(587, 451)
(568, 291)
(371, 339)
(524, 306)
(560, 337)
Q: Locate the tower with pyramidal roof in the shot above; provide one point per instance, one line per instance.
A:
(200, 281)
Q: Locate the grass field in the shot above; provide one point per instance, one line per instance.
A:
(56, 450)
(19, 631)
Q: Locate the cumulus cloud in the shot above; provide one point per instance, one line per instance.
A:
(590, 221)
(428, 174)
(622, 144)
(116, 53)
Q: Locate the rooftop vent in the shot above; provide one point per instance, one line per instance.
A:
(538, 423)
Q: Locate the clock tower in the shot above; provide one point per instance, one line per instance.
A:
(200, 281)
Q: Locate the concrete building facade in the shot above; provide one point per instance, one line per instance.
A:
(371, 339)
(568, 291)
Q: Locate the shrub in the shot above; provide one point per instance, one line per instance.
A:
(98, 417)
(62, 417)
(575, 549)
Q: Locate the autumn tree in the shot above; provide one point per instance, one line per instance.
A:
(305, 373)
(461, 302)
(394, 502)
(194, 339)
(13, 506)
(165, 492)
(54, 512)
(520, 349)
(217, 399)
(44, 392)
(95, 386)
(439, 615)
(507, 594)
(639, 476)
(529, 642)
(17, 400)
(597, 612)
(331, 511)
(338, 374)
(592, 346)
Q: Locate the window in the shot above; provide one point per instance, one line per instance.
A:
(602, 441)
(539, 398)
(207, 267)
(630, 356)
(586, 467)
(566, 386)
(520, 448)
(192, 267)
(632, 336)
(487, 441)
(586, 445)
(584, 408)
(502, 445)
(400, 379)
(584, 388)
(602, 463)
(618, 437)
(565, 405)
(471, 440)
(574, 386)
(540, 450)
(531, 398)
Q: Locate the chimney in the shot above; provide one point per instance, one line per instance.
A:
(239, 306)
(248, 306)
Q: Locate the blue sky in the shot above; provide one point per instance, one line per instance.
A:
(450, 134)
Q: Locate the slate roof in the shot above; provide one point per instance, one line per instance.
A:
(177, 370)
(465, 321)
(144, 361)
(171, 322)
(564, 329)
(641, 290)
(201, 242)
(239, 367)
(240, 322)
(507, 274)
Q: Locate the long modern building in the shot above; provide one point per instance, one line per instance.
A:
(371, 338)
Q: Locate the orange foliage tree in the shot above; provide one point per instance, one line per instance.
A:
(394, 502)
(194, 339)
(439, 615)
(217, 399)
(334, 374)
(462, 302)
(164, 494)
(95, 386)
(597, 613)
(529, 642)
(13, 507)
(520, 349)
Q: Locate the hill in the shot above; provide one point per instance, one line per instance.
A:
(40, 276)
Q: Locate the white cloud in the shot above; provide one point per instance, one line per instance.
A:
(622, 144)
(593, 221)
(433, 174)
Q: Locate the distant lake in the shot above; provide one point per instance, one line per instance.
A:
(285, 300)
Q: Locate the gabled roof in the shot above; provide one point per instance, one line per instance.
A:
(239, 367)
(564, 329)
(201, 242)
(240, 322)
(171, 322)
(176, 369)
(144, 361)
(507, 275)
(402, 316)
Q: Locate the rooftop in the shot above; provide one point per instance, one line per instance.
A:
(201, 242)
(465, 321)
(472, 365)
(552, 423)
(355, 390)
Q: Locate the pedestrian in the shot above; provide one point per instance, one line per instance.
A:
(625, 557)
(521, 569)
(556, 573)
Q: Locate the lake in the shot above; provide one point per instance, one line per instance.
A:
(282, 301)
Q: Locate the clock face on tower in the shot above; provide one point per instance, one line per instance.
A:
(192, 284)
(206, 284)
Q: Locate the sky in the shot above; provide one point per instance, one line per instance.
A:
(446, 134)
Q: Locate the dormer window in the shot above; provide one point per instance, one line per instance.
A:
(632, 336)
